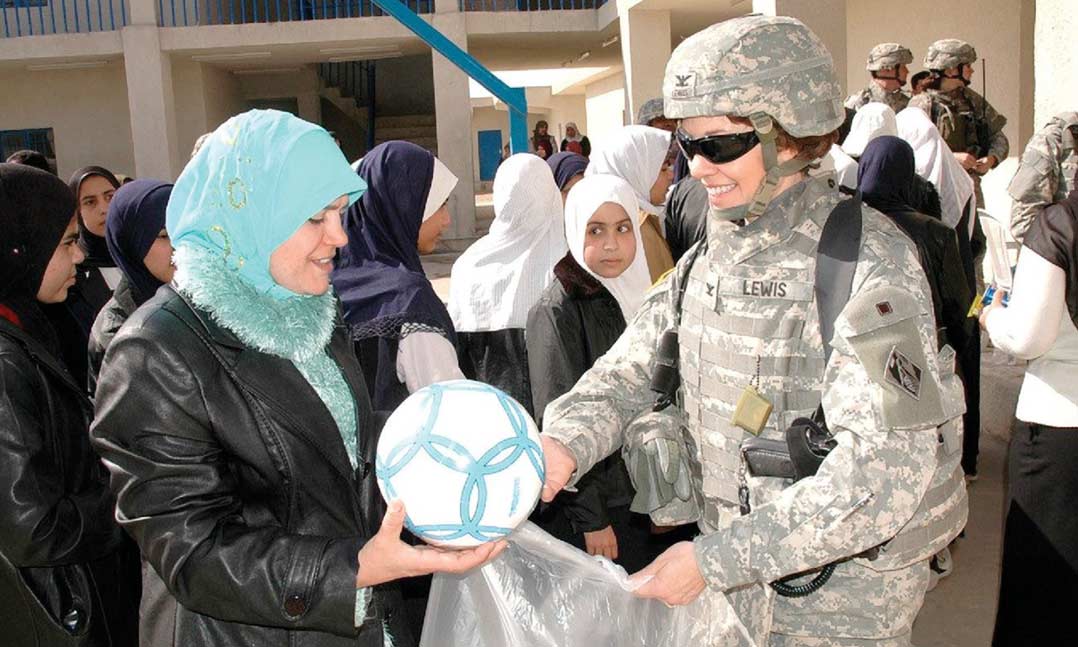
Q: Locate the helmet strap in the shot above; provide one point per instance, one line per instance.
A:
(774, 171)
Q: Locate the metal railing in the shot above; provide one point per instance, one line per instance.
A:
(352, 78)
(40, 17)
(187, 13)
(529, 5)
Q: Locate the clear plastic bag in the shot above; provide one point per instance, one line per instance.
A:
(542, 592)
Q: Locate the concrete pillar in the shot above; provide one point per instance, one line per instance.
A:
(446, 6)
(143, 12)
(645, 49)
(827, 18)
(453, 110)
(310, 107)
(1056, 69)
(151, 102)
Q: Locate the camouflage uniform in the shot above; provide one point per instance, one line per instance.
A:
(749, 316)
(883, 57)
(958, 113)
(1046, 173)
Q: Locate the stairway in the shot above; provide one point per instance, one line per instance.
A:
(421, 130)
(349, 86)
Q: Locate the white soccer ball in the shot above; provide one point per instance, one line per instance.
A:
(465, 459)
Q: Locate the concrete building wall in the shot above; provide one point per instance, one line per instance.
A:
(993, 27)
(86, 108)
(223, 95)
(405, 86)
(1056, 59)
(605, 105)
(188, 88)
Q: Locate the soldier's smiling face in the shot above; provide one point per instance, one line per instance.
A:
(731, 184)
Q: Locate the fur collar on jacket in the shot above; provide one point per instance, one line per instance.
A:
(296, 328)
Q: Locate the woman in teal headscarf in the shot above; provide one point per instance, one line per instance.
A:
(234, 419)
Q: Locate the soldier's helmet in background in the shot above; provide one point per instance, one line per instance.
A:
(949, 52)
(762, 65)
(888, 55)
(652, 109)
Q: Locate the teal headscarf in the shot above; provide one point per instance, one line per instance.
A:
(259, 177)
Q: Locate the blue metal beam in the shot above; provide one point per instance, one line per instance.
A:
(512, 97)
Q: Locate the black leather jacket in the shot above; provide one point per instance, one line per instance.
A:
(62, 557)
(232, 477)
(575, 322)
(108, 323)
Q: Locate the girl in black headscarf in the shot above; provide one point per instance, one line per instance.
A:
(404, 335)
(139, 244)
(67, 575)
(885, 177)
(93, 188)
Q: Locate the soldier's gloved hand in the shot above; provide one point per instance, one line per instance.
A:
(560, 465)
(658, 467)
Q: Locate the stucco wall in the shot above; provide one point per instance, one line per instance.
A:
(206, 96)
(1000, 30)
(223, 96)
(87, 110)
(993, 27)
(187, 88)
(1056, 59)
(605, 101)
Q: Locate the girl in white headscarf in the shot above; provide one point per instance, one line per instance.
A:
(641, 156)
(502, 275)
(871, 121)
(937, 164)
(600, 285)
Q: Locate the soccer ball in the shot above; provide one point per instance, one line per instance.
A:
(465, 459)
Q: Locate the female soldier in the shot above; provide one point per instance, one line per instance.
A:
(758, 101)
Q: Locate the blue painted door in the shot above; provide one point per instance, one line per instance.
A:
(490, 153)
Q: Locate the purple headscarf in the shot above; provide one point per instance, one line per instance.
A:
(136, 217)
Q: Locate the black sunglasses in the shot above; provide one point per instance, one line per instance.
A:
(717, 149)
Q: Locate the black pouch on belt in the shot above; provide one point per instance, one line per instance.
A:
(807, 443)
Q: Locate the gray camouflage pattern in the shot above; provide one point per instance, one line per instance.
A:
(947, 53)
(652, 109)
(888, 55)
(1046, 172)
(897, 100)
(772, 65)
(892, 473)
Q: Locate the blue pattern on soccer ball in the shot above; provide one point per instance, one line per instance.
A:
(452, 455)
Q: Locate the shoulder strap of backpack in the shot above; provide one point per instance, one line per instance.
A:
(836, 262)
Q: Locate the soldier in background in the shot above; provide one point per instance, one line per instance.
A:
(1046, 172)
(758, 102)
(887, 64)
(651, 114)
(968, 123)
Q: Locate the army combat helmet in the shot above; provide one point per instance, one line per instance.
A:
(888, 55)
(947, 53)
(769, 69)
